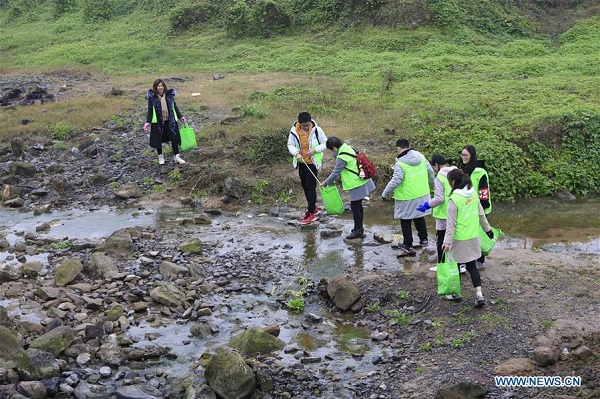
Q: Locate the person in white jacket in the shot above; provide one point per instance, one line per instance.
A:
(306, 142)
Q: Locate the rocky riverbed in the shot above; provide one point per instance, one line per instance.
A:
(168, 296)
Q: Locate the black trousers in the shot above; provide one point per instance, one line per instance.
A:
(309, 183)
(474, 272)
(439, 240)
(165, 137)
(358, 213)
(421, 226)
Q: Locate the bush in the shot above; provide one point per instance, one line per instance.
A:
(270, 18)
(60, 131)
(97, 10)
(63, 6)
(267, 148)
(187, 16)
(237, 21)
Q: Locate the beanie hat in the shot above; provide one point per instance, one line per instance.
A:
(304, 117)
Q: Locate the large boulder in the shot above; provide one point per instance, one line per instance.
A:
(118, 245)
(54, 341)
(342, 292)
(168, 295)
(254, 341)
(102, 265)
(10, 349)
(229, 375)
(68, 271)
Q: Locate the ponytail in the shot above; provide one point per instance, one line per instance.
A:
(458, 180)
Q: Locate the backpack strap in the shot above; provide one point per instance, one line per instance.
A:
(352, 155)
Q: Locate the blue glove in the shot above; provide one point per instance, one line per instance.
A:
(423, 207)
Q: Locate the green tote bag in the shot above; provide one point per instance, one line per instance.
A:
(487, 243)
(332, 200)
(188, 137)
(448, 276)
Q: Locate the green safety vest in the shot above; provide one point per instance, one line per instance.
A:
(476, 176)
(155, 119)
(317, 157)
(350, 180)
(439, 212)
(467, 216)
(415, 183)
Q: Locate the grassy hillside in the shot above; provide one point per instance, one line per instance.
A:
(444, 73)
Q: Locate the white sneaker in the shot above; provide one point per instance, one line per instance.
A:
(178, 159)
(463, 268)
(479, 300)
(161, 159)
(433, 269)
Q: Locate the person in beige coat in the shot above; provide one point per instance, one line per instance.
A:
(464, 215)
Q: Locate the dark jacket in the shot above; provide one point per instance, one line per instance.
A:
(157, 136)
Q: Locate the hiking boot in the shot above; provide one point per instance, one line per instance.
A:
(463, 268)
(405, 249)
(453, 297)
(479, 300)
(309, 219)
(480, 265)
(178, 159)
(161, 159)
(359, 233)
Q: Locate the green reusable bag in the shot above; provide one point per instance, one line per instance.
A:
(332, 200)
(487, 243)
(448, 276)
(188, 137)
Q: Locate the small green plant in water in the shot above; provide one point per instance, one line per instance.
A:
(296, 305)
(61, 245)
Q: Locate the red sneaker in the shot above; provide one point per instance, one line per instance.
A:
(305, 214)
(309, 219)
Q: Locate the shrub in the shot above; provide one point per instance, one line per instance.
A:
(187, 16)
(60, 131)
(237, 20)
(97, 10)
(270, 18)
(63, 6)
(267, 149)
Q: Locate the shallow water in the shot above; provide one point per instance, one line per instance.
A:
(531, 224)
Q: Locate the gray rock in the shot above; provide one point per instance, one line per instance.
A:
(545, 356)
(103, 265)
(342, 292)
(68, 271)
(229, 375)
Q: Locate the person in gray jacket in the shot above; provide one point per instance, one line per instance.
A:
(410, 184)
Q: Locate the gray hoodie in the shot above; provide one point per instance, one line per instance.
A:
(407, 209)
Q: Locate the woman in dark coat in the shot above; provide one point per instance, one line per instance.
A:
(161, 120)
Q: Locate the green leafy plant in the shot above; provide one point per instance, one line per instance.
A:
(259, 191)
(462, 340)
(59, 146)
(373, 307)
(426, 347)
(546, 324)
(296, 304)
(400, 318)
(402, 294)
(60, 131)
(420, 369)
(175, 176)
(61, 244)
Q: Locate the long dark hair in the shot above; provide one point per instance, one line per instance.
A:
(155, 85)
(468, 167)
(458, 179)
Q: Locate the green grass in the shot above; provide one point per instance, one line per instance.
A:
(462, 79)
